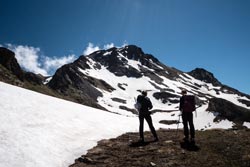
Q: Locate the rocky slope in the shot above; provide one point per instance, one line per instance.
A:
(220, 148)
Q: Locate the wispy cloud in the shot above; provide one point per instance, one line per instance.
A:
(54, 63)
(31, 59)
(27, 57)
(108, 46)
(90, 49)
(125, 43)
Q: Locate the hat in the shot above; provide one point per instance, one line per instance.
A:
(144, 93)
(183, 91)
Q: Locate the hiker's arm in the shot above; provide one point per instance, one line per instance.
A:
(150, 106)
(181, 104)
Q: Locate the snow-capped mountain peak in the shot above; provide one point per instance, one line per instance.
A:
(111, 79)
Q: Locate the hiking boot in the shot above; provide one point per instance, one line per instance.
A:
(141, 141)
(156, 139)
(185, 139)
(192, 141)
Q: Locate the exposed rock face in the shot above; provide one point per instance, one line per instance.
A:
(69, 81)
(8, 77)
(246, 102)
(34, 78)
(228, 110)
(167, 97)
(205, 76)
(230, 90)
(115, 63)
(8, 60)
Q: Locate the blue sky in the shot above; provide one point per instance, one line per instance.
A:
(185, 34)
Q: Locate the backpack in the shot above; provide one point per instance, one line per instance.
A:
(189, 103)
(137, 105)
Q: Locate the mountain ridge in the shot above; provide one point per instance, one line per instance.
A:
(111, 79)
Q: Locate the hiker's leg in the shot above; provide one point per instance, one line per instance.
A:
(185, 124)
(191, 125)
(141, 119)
(150, 124)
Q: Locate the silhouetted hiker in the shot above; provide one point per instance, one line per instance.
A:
(187, 106)
(145, 106)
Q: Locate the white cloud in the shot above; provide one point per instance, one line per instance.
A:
(31, 59)
(90, 49)
(108, 46)
(55, 63)
(125, 43)
(27, 57)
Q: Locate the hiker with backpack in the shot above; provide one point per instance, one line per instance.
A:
(187, 106)
(145, 105)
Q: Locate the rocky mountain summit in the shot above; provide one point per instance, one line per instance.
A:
(75, 80)
(205, 76)
(111, 79)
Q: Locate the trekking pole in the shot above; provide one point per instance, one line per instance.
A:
(178, 125)
(196, 111)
